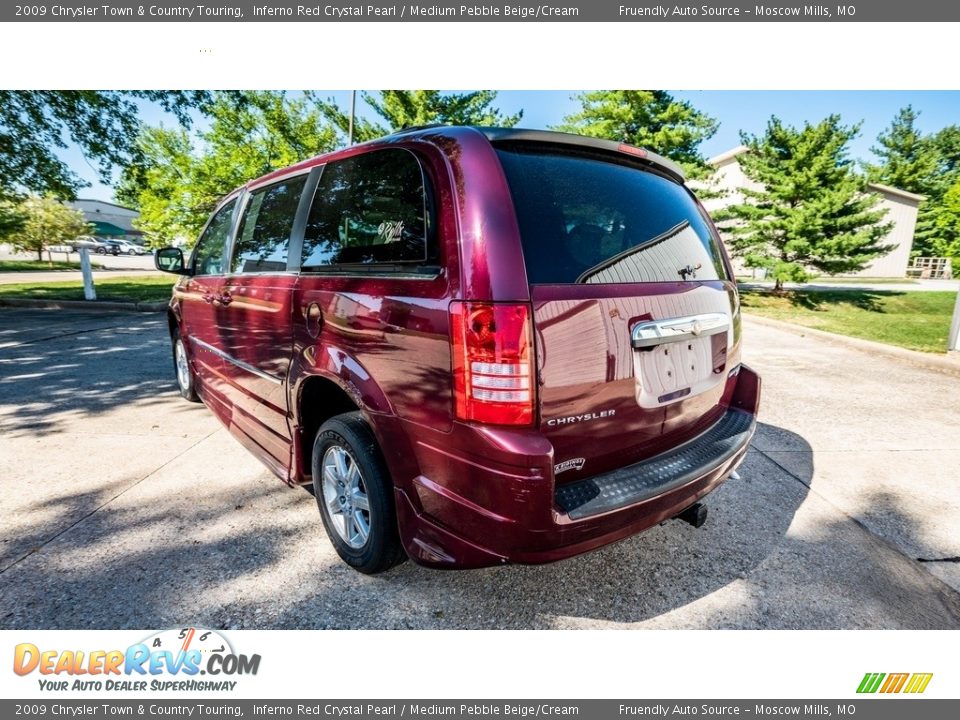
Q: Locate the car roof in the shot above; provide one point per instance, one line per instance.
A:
(437, 133)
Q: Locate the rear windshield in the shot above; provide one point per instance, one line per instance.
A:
(587, 220)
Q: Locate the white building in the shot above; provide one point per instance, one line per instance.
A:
(110, 220)
(901, 209)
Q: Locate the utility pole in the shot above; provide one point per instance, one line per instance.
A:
(353, 110)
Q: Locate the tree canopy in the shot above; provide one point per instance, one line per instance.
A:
(104, 125)
(179, 179)
(811, 211)
(653, 119)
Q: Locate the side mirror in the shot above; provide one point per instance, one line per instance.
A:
(170, 259)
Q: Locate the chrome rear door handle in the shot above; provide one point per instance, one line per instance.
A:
(650, 334)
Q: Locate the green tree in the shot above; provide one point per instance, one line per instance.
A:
(11, 219)
(653, 119)
(411, 108)
(909, 159)
(34, 125)
(181, 179)
(948, 227)
(42, 221)
(918, 163)
(928, 239)
(811, 210)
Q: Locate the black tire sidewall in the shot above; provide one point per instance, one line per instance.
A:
(351, 432)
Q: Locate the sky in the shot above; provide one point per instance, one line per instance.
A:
(736, 110)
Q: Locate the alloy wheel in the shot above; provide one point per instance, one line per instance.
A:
(183, 366)
(345, 496)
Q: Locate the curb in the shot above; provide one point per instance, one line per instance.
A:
(944, 364)
(83, 305)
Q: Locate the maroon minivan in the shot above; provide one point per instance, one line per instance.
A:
(478, 345)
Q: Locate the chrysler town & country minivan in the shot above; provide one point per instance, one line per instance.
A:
(475, 345)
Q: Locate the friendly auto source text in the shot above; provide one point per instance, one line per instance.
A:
(715, 11)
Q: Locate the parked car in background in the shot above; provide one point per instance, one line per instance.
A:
(125, 247)
(476, 345)
(92, 244)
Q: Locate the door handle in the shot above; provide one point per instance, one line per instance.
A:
(648, 335)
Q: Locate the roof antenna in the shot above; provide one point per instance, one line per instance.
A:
(353, 110)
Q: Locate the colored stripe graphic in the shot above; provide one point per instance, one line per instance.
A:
(918, 682)
(894, 683)
(870, 682)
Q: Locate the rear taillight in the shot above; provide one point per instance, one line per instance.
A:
(493, 363)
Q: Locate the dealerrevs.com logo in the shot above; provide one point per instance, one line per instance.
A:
(168, 660)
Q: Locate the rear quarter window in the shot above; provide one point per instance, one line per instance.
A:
(371, 209)
(585, 219)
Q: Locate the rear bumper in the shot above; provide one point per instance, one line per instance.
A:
(474, 509)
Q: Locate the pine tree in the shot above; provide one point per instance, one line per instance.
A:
(911, 161)
(908, 159)
(812, 211)
(653, 119)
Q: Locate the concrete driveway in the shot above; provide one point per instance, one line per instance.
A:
(127, 507)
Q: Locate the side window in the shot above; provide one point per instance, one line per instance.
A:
(208, 255)
(369, 209)
(263, 236)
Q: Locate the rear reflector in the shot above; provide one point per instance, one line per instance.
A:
(492, 363)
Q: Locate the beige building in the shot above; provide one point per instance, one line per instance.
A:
(901, 209)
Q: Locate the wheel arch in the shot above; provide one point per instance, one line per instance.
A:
(316, 399)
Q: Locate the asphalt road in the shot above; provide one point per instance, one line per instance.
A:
(124, 506)
(105, 266)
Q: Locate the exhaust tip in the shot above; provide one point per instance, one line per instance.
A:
(695, 515)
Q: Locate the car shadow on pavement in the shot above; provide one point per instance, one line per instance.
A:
(249, 553)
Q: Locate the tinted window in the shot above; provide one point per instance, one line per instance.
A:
(368, 209)
(208, 256)
(588, 220)
(263, 236)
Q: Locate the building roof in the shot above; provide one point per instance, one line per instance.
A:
(897, 191)
(728, 155)
(104, 202)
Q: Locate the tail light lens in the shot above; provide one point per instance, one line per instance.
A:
(493, 363)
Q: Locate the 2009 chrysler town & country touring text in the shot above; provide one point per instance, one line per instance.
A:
(479, 345)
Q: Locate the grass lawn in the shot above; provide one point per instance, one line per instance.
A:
(149, 288)
(914, 320)
(36, 266)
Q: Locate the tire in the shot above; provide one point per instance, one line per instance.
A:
(101, 251)
(131, 252)
(348, 474)
(186, 382)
